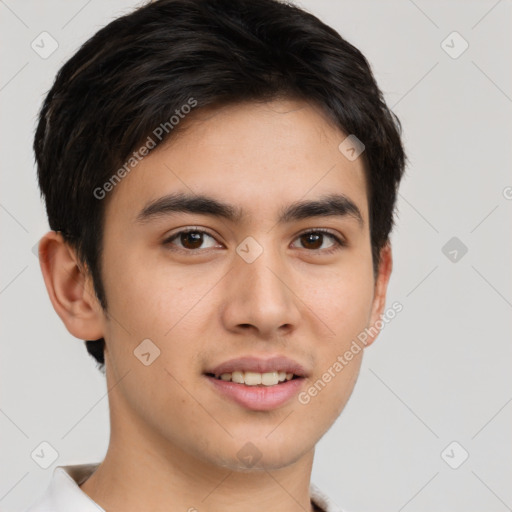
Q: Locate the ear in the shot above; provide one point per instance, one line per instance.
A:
(70, 288)
(379, 296)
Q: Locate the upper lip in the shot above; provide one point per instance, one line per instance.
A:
(257, 364)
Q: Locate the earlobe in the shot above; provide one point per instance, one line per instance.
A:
(70, 288)
(381, 286)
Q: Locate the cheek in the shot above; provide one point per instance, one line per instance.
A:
(341, 301)
(149, 298)
(326, 394)
(341, 298)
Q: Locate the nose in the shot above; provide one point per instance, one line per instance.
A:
(261, 297)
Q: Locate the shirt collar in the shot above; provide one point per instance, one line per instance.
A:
(64, 493)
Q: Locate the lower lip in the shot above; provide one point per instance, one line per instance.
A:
(258, 398)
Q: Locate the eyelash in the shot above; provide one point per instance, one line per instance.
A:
(338, 242)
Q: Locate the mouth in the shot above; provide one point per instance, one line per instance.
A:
(255, 378)
(257, 384)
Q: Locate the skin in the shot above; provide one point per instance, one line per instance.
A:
(174, 439)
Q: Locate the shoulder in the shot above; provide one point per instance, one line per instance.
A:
(63, 493)
(322, 501)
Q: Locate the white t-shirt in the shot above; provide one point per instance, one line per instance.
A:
(63, 494)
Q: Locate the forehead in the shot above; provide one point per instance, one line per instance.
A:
(256, 156)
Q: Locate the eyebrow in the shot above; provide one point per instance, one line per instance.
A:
(326, 206)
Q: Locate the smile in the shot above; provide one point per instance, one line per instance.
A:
(255, 378)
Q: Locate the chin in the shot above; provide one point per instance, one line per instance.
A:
(262, 455)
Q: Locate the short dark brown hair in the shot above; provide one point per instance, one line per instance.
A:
(133, 74)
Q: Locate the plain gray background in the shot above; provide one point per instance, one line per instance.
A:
(438, 373)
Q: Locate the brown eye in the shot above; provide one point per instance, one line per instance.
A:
(314, 240)
(190, 240)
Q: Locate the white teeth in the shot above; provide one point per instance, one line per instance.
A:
(256, 379)
(237, 377)
(269, 379)
(252, 378)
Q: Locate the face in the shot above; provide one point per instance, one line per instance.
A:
(262, 280)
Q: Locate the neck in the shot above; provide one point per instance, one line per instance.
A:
(143, 471)
(133, 480)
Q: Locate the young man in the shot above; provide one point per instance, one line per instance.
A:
(220, 178)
